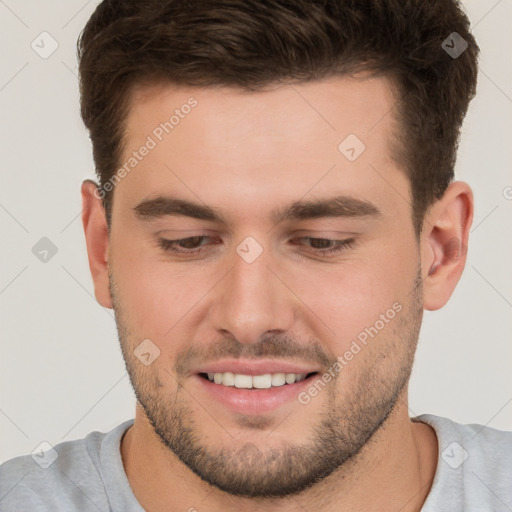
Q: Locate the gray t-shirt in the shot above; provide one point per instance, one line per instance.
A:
(474, 473)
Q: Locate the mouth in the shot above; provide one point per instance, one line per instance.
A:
(263, 381)
(252, 390)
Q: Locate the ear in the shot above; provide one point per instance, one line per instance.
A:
(444, 242)
(97, 240)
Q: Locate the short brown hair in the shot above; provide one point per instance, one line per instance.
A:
(249, 44)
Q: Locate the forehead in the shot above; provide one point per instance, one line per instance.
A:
(221, 143)
(288, 111)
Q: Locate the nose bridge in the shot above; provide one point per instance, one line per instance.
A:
(251, 300)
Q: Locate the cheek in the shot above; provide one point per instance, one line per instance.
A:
(160, 300)
(352, 296)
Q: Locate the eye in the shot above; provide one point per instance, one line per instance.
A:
(190, 245)
(326, 246)
(194, 244)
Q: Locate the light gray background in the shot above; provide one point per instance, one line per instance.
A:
(61, 369)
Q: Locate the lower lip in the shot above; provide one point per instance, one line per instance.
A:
(254, 401)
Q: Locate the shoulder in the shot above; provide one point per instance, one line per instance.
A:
(474, 466)
(64, 477)
(481, 443)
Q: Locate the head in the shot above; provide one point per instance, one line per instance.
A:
(269, 130)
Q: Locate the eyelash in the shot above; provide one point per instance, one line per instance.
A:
(170, 245)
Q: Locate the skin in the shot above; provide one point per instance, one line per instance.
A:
(246, 154)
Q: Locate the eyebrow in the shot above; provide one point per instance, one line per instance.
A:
(337, 206)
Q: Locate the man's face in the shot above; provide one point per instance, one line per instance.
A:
(254, 293)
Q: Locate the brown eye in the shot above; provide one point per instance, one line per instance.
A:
(321, 243)
(325, 246)
(190, 243)
(184, 246)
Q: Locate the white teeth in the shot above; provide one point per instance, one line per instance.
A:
(289, 378)
(243, 381)
(265, 381)
(228, 379)
(262, 381)
(278, 379)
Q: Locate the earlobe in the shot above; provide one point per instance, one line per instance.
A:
(444, 242)
(97, 240)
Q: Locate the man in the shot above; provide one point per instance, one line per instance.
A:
(276, 208)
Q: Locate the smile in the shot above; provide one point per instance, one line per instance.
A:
(265, 381)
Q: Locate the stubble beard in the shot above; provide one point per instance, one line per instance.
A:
(346, 423)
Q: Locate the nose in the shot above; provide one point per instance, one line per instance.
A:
(252, 301)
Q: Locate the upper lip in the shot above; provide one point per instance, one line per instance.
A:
(256, 367)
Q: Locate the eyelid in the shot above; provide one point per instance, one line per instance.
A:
(324, 233)
(186, 233)
(340, 245)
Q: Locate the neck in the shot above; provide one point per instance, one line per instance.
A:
(393, 471)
